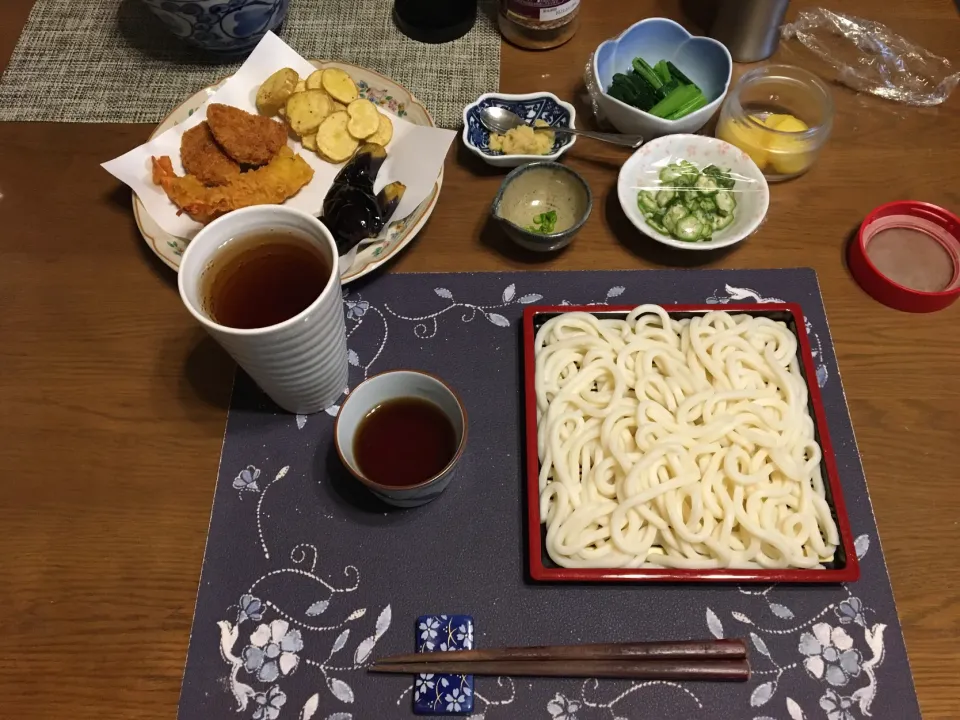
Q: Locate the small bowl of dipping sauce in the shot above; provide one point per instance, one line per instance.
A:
(907, 256)
(542, 205)
(401, 433)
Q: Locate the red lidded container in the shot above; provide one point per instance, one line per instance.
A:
(907, 256)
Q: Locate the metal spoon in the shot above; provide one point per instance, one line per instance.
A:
(500, 120)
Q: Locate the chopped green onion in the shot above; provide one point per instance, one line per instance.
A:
(544, 223)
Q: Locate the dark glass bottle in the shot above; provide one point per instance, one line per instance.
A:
(435, 21)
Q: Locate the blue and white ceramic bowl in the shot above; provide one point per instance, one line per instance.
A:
(704, 60)
(223, 26)
(531, 107)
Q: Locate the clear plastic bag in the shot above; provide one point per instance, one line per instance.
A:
(593, 92)
(869, 57)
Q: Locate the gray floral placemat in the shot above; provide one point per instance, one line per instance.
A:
(110, 61)
(305, 579)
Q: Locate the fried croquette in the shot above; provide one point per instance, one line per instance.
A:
(202, 157)
(248, 139)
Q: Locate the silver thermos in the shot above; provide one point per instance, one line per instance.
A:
(749, 28)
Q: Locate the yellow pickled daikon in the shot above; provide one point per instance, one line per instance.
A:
(786, 155)
(747, 137)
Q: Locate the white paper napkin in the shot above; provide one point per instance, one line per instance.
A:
(415, 155)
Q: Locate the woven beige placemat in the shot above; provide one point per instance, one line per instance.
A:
(112, 61)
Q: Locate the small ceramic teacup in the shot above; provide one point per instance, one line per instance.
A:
(537, 188)
(396, 385)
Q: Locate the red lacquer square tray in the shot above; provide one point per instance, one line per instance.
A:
(844, 567)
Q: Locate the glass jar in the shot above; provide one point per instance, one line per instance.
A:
(780, 116)
(539, 24)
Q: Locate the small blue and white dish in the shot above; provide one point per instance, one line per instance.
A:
(704, 60)
(230, 27)
(531, 107)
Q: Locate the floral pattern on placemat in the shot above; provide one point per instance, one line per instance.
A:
(296, 626)
(840, 647)
(262, 654)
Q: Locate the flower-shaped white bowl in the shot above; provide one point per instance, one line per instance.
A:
(641, 172)
(704, 60)
(531, 107)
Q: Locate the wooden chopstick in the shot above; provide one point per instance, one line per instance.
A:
(675, 650)
(718, 670)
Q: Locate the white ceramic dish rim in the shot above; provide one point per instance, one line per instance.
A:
(153, 236)
(707, 109)
(446, 469)
(642, 226)
(522, 96)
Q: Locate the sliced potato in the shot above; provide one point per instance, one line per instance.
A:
(364, 119)
(338, 107)
(310, 141)
(384, 133)
(306, 110)
(339, 85)
(333, 140)
(301, 86)
(315, 80)
(275, 90)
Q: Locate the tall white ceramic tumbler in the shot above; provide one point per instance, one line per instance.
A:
(300, 363)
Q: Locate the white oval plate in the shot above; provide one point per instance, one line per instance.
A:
(375, 87)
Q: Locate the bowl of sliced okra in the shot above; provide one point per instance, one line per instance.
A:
(693, 192)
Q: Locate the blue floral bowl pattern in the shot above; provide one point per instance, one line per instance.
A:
(225, 26)
(531, 107)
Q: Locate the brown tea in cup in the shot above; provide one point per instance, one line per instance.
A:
(404, 442)
(263, 279)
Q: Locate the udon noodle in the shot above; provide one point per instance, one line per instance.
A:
(677, 443)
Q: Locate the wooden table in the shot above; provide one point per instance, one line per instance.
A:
(112, 401)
